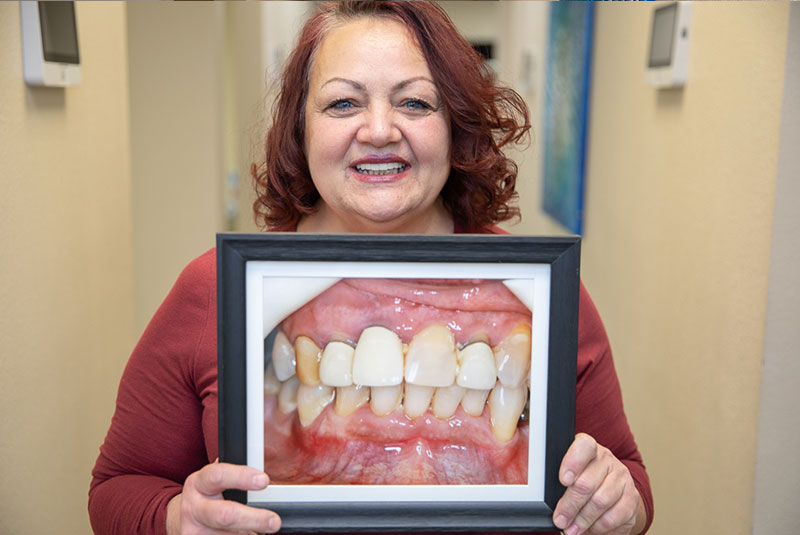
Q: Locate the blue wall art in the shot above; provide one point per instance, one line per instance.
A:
(567, 80)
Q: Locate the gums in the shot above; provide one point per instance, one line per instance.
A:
(363, 448)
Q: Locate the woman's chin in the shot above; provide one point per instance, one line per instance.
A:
(394, 215)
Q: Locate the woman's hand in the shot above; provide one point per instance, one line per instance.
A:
(600, 497)
(201, 510)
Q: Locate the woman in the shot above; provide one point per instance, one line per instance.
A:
(386, 122)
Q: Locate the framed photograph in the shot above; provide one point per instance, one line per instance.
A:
(397, 382)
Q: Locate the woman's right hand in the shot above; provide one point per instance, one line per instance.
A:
(201, 510)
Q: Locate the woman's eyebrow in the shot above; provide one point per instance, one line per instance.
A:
(359, 86)
(353, 83)
(410, 81)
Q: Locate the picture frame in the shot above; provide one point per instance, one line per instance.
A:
(543, 273)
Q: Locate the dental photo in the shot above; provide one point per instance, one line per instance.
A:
(378, 381)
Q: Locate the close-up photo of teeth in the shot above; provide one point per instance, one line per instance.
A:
(397, 381)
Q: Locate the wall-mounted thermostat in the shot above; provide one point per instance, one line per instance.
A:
(668, 61)
(50, 44)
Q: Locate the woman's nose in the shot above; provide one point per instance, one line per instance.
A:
(379, 128)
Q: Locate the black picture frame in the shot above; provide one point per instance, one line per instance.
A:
(559, 255)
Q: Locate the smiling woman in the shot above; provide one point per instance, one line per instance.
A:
(390, 84)
(387, 121)
(377, 136)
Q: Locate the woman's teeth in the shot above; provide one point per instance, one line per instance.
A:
(380, 168)
(509, 356)
(430, 373)
(378, 358)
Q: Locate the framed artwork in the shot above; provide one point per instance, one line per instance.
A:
(397, 382)
(567, 81)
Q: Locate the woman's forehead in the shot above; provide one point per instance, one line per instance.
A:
(368, 48)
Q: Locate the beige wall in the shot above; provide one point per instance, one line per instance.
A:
(66, 278)
(777, 485)
(245, 106)
(679, 203)
(176, 101)
(680, 190)
(261, 35)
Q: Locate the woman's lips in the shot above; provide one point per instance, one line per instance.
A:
(380, 168)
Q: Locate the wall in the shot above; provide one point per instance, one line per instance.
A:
(477, 21)
(777, 465)
(261, 36)
(679, 212)
(523, 64)
(66, 277)
(676, 253)
(244, 106)
(176, 101)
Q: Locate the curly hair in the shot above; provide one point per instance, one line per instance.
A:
(484, 117)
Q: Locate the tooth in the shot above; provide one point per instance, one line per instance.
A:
(283, 357)
(336, 366)
(431, 358)
(512, 356)
(378, 358)
(287, 397)
(271, 384)
(446, 400)
(416, 400)
(311, 401)
(505, 406)
(476, 366)
(474, 401)
(350, 398)
(385, 399)
(307, 354)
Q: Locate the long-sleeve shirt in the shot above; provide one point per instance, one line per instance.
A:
(165, 424)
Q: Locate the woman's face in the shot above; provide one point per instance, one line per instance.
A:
(377, 134)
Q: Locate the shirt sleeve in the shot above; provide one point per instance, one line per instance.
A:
(599, 411)
(155, 438)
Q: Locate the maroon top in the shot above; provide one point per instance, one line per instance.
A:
(167, 401)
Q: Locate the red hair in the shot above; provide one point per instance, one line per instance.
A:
(484, 117)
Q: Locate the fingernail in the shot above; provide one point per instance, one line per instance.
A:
(568, 477)
(260, 480)
(573, 530)
(274, 523)
(561, 521)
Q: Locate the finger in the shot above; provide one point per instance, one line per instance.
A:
(620, 518)
(578, 494)
(212, 479)
(607, 495)
(582, 452)
(228, 515)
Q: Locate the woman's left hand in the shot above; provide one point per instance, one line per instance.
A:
(601, 497)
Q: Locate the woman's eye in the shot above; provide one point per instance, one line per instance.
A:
(341, 105)
(416, 105)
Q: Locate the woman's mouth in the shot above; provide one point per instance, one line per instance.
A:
(380, 169)
(400, 382)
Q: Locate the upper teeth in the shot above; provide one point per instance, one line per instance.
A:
(431, 358)
(512, 356)
(379, 167)
(437, 375)
(378, 359)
